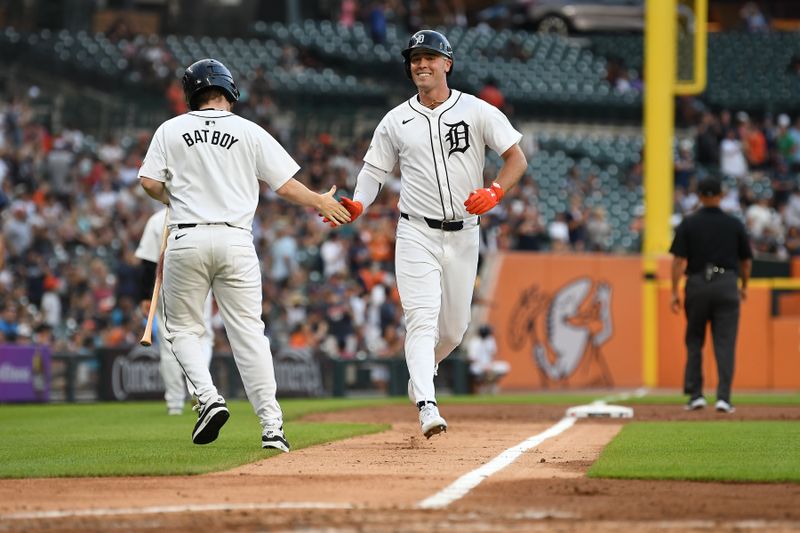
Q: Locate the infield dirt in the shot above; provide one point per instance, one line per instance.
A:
(376, 481)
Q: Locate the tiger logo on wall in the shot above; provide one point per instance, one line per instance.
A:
(566, 331)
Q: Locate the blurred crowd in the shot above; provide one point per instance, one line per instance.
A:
(759, 161)
(73, 213)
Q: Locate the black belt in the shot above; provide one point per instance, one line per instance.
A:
(195, 224)
(444, 225)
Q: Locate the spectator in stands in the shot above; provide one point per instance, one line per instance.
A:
(531, 232)
(576, 222)
(707, 140)
(755, 146)
(119, 30)
(792, 242)
(348, 9)
(684, 167)
(413, 16)
(485, 370)
(452, 13)
(558, 232)
(791, 212)
(785, 143)
(794, 133)
(725, 123)
(283, 254)
(9, 323)
(377, 22)
(732, 160)
(492, 94)
(764, 225)
(176, 101)
(753, 19)
(390, 345)
(333, 255)
(782, 182)
(598, 231)
(635, 175)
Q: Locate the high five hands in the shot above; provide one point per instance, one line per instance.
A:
(482, 200)
(353, 208)
(333, 212)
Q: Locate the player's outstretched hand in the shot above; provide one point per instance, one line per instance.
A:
(482, 200)
(355, 208)
(332, 211)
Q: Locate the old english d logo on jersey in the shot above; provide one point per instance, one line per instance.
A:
(458, 137)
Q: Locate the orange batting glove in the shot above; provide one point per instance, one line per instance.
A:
(482, 200)
(354, 208)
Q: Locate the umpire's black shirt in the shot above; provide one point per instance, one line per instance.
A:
(711, 236)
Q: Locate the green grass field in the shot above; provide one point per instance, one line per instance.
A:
(137, 438)
(112, 439)
(767, 451)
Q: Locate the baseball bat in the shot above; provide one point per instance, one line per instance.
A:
(147, 337)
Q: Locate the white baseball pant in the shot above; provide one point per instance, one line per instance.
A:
(175, 383)
(224, 259)
(435, 273)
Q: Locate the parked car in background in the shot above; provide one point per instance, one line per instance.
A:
(565, 17)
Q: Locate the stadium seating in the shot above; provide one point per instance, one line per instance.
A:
(731, 57)
(539, 74)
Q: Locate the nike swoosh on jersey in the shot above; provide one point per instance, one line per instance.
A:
(181, 235)
(409, 120)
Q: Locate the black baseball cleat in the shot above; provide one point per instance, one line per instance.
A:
(274, 438)
(211, 418)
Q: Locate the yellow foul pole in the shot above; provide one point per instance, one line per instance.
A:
(659, 108)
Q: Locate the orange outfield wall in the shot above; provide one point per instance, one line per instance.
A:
(568, 320)
(573, 321)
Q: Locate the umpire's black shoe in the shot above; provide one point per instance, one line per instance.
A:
(696, 403)
(724, 406)
(211, 418)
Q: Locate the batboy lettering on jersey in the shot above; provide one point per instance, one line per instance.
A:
(226, 140)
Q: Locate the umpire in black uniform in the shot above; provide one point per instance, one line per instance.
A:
(711, 247)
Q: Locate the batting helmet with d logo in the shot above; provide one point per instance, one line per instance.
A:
(427, 40)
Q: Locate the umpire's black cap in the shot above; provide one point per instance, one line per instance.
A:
(709, 187)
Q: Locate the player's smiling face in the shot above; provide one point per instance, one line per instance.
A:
(429, 69)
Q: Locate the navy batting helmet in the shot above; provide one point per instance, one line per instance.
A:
(208, 73)
(427, 40)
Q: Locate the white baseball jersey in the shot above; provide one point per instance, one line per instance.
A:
(149, 247)
(212, 173)
(211, 162)
(441, 151)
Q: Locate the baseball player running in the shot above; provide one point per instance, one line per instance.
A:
(439, 137)
(206, 165)
(149, 252)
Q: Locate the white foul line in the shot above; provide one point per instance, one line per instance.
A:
(641, 392)
(167, 509)
(460, 487)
